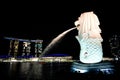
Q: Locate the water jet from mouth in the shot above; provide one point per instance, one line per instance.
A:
(55, 41)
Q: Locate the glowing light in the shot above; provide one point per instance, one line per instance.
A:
(79, 70)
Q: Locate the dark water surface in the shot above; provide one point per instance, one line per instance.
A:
(48, 71)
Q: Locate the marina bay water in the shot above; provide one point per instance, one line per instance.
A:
(51, 71)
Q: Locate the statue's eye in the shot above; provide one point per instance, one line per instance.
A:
(78, 25)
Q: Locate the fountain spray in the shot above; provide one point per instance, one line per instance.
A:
(55, 41)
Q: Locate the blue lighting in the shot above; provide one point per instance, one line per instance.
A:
(5, 56)
(24, 40)
(56, 55)
(29, 56)
(104, 68)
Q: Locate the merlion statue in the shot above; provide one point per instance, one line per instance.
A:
(89, 38)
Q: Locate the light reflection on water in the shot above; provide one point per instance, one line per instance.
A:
(24, 71)
(46, 71)
(30, 70)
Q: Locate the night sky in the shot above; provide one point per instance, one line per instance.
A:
(45, 20)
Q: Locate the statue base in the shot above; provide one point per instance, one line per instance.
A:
(104, 67)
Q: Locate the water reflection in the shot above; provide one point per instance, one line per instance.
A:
(47, 71)
(31, 70)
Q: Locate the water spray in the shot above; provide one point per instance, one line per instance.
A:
(55, 41)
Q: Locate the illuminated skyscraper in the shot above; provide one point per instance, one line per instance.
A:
(38, 47)
(10, 47)
(15, 47)
(26, 49)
